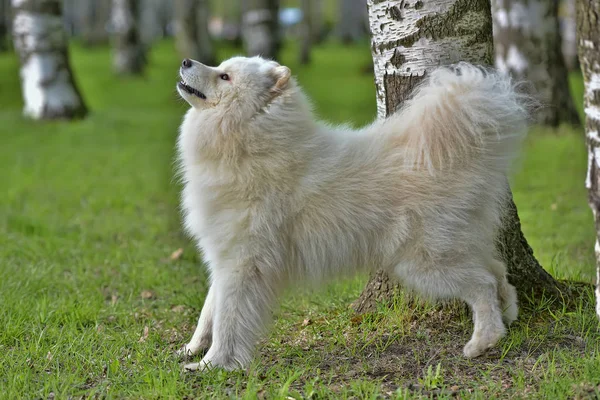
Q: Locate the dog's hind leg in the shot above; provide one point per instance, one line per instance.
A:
(482, 296)
(203, 334)
(506, 293)
(242, 306)
(468, 280)
(487, 319)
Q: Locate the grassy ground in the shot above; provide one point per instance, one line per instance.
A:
(92, 305)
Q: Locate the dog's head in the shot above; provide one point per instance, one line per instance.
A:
(239, 85)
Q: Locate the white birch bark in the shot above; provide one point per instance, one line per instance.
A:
(411, 38)
(128, 50)
(589, 59)
(47, 84)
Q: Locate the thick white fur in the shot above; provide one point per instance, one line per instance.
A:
(274, 197)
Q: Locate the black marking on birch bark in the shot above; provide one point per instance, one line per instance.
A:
(395, 13)
(397, 59)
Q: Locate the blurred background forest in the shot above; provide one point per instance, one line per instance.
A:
(98, 284)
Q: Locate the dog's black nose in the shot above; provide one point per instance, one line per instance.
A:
(186, 63)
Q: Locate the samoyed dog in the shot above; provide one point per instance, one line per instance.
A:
(274, 197)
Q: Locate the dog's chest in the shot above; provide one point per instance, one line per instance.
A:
(222, 211)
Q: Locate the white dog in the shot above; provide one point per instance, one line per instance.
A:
(274, 197)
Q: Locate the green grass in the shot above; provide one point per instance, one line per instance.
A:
(89, 218)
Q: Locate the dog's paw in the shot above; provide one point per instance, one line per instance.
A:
(212, 363)
(474, 349)
(200, 366)
(480, 344)
(190, 349)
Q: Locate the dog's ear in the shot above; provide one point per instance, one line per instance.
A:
(282, 76)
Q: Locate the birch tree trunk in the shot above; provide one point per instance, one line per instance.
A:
(49, 90)
(71, 17)
(260, 28)
(408, 40)
(568, 34)
(4, 12)
(307, 31)
(128, 50)
(95, 15)
(528, 46)
(317, 21)
(192, 36)
(352, 22)
(588, 30)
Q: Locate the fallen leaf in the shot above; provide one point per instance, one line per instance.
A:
(147, 294)
(178, 309)
(176, 255)
(144, 335)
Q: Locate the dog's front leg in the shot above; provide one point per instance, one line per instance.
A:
(203, 334)
(242, 306)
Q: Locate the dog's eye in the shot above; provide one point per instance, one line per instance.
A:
(225, 77)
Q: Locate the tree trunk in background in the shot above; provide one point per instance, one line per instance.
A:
(260, 28)
(317, 21)
(128, 50)
(231, 11)
(353, 19)
(156, 20)
(49, 90)
(307, 31)
(528, 46)
(568, 33)
(95, 16)
(71, 16)
(407, 42)
(588, 31)
(4, 11)
(192, 36)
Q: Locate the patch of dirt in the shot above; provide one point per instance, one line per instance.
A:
(399, 356)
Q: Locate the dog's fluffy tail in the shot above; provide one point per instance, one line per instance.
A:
(462, 114)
